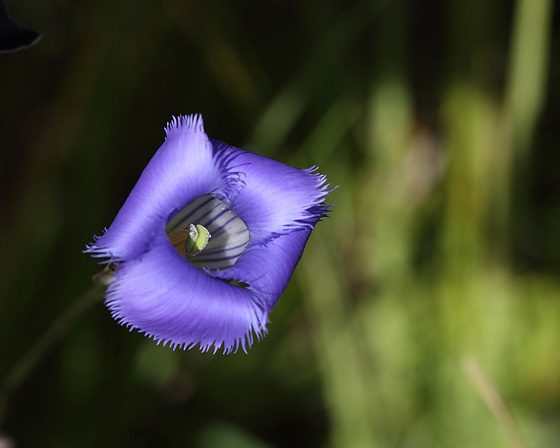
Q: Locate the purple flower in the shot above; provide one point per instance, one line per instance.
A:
(207, 241)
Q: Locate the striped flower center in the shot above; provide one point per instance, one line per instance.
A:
(208, 234)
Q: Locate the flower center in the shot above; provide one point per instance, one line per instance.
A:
(208, 234)
(192, 241)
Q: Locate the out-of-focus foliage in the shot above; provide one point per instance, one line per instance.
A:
(429, 300)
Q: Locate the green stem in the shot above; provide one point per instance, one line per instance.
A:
(60, 327)
(494, 401)
(529, 61)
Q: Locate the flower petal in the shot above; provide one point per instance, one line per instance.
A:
(280, 206)
(276, 198)
(167, 298)
(268, 268)
(183, 169)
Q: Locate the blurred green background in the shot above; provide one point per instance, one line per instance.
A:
(426, 313)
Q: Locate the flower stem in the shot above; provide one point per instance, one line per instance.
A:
(60, 327)
(494, 401)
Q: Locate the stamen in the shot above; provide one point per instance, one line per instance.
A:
(192, 241)
(197, 240)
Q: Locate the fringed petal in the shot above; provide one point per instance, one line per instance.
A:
(268, 268)
(276, 198)
(183, 169)
(164, 296)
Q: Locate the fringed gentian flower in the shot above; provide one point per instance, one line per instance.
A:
(207, 241)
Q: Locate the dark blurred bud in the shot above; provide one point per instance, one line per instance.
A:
(14, 37)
